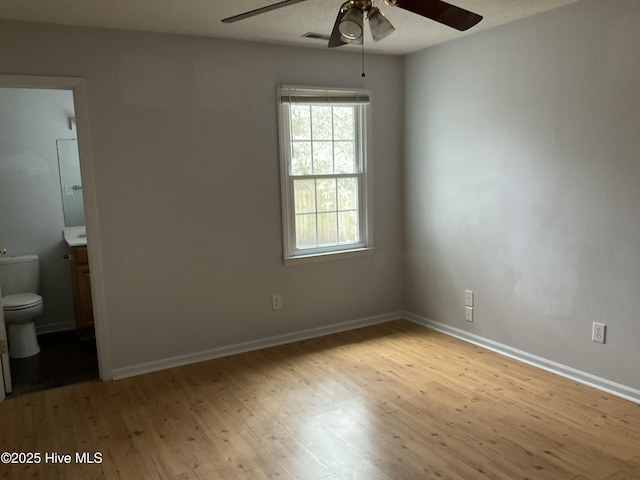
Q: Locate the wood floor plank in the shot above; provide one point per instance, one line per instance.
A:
(393, 401)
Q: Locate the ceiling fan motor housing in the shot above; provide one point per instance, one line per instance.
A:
(363, 5)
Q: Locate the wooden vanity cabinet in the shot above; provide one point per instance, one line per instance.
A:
(82, 292)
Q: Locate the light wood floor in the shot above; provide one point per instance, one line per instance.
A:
(394, 401)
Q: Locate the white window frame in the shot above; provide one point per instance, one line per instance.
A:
(361, 98)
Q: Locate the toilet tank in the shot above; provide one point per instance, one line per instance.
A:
(19, 274)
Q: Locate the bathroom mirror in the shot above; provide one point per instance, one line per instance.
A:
(70, 182)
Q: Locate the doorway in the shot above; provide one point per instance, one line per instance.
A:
(63, 358)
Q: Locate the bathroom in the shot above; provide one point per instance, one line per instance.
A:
(38, 145)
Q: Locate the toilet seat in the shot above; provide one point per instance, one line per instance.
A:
(20, 301)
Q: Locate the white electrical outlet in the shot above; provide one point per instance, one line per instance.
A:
(599, 332)
(468, 314)
(468, 298)
(276, 302)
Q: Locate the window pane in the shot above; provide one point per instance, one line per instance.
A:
(326, 195)
(322, 157)
(321, 123)
(343, 123)
(347, 193)
(304, 193)
(305, 230)
(345, 157)
(301, 158)
(327, 228)
(348, 227)
(301, 122)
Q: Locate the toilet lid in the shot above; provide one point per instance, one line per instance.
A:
(19, 301)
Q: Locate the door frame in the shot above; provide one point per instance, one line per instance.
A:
(78, 86)
(5, 367)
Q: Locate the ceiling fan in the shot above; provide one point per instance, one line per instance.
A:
(348, 27)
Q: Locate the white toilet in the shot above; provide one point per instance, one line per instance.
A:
(20, 280)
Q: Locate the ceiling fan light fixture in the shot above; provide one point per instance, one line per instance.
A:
(354, 41)
(379, 25)
(351, 24)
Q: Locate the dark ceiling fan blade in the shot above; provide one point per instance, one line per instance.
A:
(258, 11)
(442, 12)
(336, 37)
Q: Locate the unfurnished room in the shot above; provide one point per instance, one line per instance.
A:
(320, 239)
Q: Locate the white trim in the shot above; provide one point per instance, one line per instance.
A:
(213, 353)
(5, 364)
(78, 86)
(571, 373)
(321, 257)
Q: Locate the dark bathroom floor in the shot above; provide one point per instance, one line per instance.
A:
(63, 360)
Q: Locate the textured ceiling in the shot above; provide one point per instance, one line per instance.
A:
(282, 26)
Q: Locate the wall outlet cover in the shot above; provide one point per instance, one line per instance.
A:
(599, 332)
(468, 298)
(276, 302)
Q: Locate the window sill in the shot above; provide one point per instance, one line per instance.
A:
(323, 257)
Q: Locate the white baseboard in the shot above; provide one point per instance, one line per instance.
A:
(585, 378)
(55, 327)
(202, 356)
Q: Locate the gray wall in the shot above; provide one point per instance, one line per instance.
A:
(523, 184)
(31, 218)
(185, 148)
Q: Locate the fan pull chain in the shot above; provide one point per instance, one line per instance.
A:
(363, 74)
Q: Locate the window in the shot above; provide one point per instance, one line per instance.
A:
(326, 195)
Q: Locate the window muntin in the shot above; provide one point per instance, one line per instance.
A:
(324, 176)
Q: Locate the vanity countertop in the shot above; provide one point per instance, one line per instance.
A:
(75, 236)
